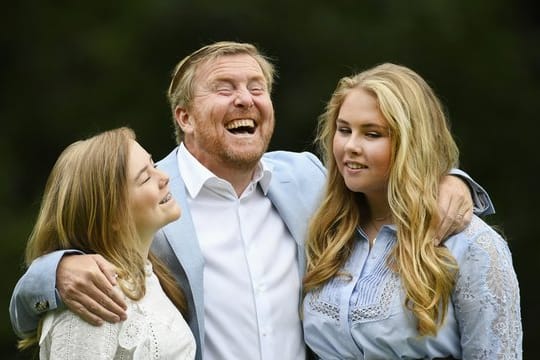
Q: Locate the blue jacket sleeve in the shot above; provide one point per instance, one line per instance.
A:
(35, 293)
(482, 203)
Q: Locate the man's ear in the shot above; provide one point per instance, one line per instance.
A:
(183, 119)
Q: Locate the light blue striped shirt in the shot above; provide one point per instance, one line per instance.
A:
(363, 317)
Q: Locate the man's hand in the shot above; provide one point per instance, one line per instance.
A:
(87, 285)
(455, 205)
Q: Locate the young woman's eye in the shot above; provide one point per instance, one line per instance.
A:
(373, 135)
(344, 130)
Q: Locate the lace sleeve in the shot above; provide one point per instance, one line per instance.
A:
(66, 336)
(486, 298)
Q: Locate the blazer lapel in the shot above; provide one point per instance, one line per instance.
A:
(286, 198)
(182, 238)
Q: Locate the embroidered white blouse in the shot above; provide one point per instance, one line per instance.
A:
(364, 317)
(154, 329)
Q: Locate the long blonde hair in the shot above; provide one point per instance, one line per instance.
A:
(422, 152)
(85, 207)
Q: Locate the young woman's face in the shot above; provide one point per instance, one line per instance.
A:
(362, 146)
(151, 202)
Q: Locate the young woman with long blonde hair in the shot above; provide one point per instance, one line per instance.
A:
(377, 286)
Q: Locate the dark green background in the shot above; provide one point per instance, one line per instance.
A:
(71, 69)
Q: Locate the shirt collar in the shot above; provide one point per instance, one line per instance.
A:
(392, 228)
(195, 175)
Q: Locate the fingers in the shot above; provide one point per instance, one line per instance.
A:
(95, 306)
(466, 214)
(107, 268)
(455, 205)
(454, 219)
(445, 228)
(87, 291)
(82, 311)
(114, 300)
(451, 222)
(112, 306)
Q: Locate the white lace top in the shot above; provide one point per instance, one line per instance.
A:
(154, 329)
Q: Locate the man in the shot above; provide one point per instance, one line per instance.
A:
(237, 250)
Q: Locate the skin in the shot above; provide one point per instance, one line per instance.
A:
(151, 203)
(455, 208)
(362, 150)
(362, 145)
(152, 208)
(230, 91)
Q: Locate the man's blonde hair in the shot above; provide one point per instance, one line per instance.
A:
(180, 92)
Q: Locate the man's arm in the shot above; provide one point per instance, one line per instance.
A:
(35, 294)
(481, 201)
(84, 283)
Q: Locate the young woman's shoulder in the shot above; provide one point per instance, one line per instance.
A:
(65, 335)
(479, 241)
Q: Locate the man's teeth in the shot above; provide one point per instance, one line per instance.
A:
(355, 166)
(166, 198)
(235, 124)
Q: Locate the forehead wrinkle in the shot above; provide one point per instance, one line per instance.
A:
(227, 68)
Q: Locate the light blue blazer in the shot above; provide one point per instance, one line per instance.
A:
(295, 188)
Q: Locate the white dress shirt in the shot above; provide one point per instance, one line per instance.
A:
(251, 277)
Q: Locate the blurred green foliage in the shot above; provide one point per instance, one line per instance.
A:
(71, 69)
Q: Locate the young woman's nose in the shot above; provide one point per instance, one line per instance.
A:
(353, 145)
(163, 178)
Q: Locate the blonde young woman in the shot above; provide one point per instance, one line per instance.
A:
(104, 196)
(376, 286)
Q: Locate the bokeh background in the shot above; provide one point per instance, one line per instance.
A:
(71, 69)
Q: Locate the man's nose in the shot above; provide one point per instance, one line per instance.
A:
(243, 98)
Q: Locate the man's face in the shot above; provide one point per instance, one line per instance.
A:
(230, 121)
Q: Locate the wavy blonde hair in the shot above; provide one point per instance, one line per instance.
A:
(422, 152)
(85, 206)
(180, 92)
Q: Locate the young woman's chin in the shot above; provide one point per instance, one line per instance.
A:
(172, 214)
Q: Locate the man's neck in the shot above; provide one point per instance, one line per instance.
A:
(237, 174)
